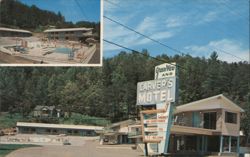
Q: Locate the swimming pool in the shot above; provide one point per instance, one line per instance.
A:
(64, 50)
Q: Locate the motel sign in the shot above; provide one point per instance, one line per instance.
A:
(160, 92)
(156, 91)
(165, 70)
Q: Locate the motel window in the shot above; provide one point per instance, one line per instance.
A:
(210, 119)
(76, 132)
(69, 131)
(88, 133)
(230, 117)
(33, 130)
(55, 131)
(26, 130)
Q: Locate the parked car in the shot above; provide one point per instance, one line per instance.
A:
(66, 142)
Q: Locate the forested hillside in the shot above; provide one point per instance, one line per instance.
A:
(110, 91)
(15, 13)
(18, 15)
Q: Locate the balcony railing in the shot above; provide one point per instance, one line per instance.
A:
(133, 134)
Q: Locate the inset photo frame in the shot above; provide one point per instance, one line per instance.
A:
(51, 33)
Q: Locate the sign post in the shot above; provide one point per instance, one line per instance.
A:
(160, 92)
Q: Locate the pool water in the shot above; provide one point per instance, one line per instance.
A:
(64, 50)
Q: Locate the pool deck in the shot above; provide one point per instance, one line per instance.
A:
(7, 58)
(44, 54)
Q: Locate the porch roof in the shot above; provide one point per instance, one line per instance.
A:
(215, 102)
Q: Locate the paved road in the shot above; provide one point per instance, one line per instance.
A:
(89, 149)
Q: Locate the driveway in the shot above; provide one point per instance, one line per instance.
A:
(89, 149)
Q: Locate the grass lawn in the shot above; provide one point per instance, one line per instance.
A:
(7, 148)
(79, 119)
(8, 121)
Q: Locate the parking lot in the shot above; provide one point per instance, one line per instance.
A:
(52, 146)
(89, 149)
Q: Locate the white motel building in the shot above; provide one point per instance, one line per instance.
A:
(74, 34)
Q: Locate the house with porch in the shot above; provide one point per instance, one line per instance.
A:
(46, 111)
(207, 126)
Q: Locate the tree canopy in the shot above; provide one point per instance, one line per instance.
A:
(110, 91)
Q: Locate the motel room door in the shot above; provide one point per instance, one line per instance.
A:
(209, 120)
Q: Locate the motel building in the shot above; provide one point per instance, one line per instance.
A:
(209, 126)
(57, 129)
(8, 32)
(73, 34)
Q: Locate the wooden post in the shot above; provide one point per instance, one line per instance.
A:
(198, 143)
(229, 143)
(146, 149)
(142, 126)
(202, 144)
(238, 145)
(205, 143)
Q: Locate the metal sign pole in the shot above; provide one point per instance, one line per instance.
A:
(169, 125)
(163, 92)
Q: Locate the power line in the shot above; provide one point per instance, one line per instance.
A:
(82, 11)
(233, 27)
(232, 11)
(112, 3)
(131, 29)
(221, 21)
(230, 54)
(156, 41)
(132, 50)
(223, 51)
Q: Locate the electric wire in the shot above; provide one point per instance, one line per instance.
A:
(156, 41)
(135, 51)
(112, 3)
(131, 29)
(232, 10)
(82, 11)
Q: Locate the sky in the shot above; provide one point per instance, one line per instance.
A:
(70, 9)
(194, 27)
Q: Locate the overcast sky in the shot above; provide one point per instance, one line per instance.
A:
(196, 27)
